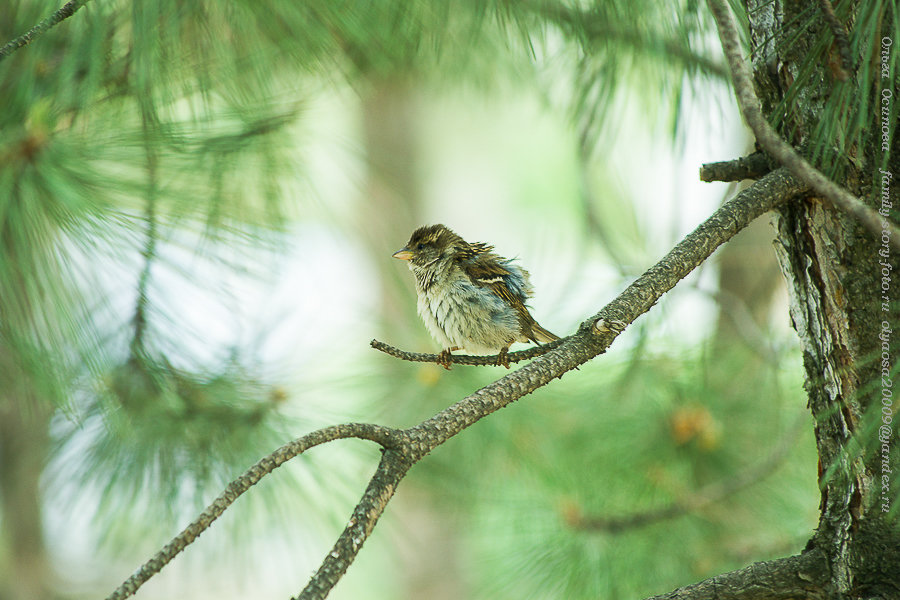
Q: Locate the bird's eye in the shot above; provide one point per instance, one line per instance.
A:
(420, 247)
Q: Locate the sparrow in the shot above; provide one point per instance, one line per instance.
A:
(469, 297)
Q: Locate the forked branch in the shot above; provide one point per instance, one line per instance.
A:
(385, 436)
(404, 448)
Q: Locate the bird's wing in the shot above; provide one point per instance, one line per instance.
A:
(510, 283)
(486, 270)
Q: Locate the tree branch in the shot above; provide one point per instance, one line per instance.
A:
(66, 11)
(788, 578)
(753, 166)
(843, 70)
(385, 436)
(593, 337)
(763, 195)
(393, 467)
(772, 143)
(404, 448)
(466, 359)
(709, 494)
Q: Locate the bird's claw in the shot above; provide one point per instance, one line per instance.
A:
(503, 358)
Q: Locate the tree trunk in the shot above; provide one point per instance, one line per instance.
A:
(392, 206)
(831, 265)
(24, 442)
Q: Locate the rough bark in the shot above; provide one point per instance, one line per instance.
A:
(831, 266)
(782, 579)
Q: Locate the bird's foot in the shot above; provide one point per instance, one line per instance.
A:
(443, 357)
(503, 357)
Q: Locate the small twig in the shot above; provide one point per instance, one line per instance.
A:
(709, 494)
(840, 39)
(779, 149)
(385, 436)
(467, 359)
(753, 166)
(66, 11)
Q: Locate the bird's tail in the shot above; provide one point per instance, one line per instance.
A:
(539, 334)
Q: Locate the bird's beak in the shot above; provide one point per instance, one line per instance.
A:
(404, 254)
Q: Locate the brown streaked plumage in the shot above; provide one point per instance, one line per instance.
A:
(469, 297)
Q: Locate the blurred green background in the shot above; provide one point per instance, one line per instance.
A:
(198, 204)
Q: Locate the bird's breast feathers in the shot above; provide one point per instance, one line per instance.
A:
(460, 313)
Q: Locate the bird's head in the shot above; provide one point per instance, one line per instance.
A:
(429, 244)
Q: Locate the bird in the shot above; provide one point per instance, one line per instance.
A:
(469, 297)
